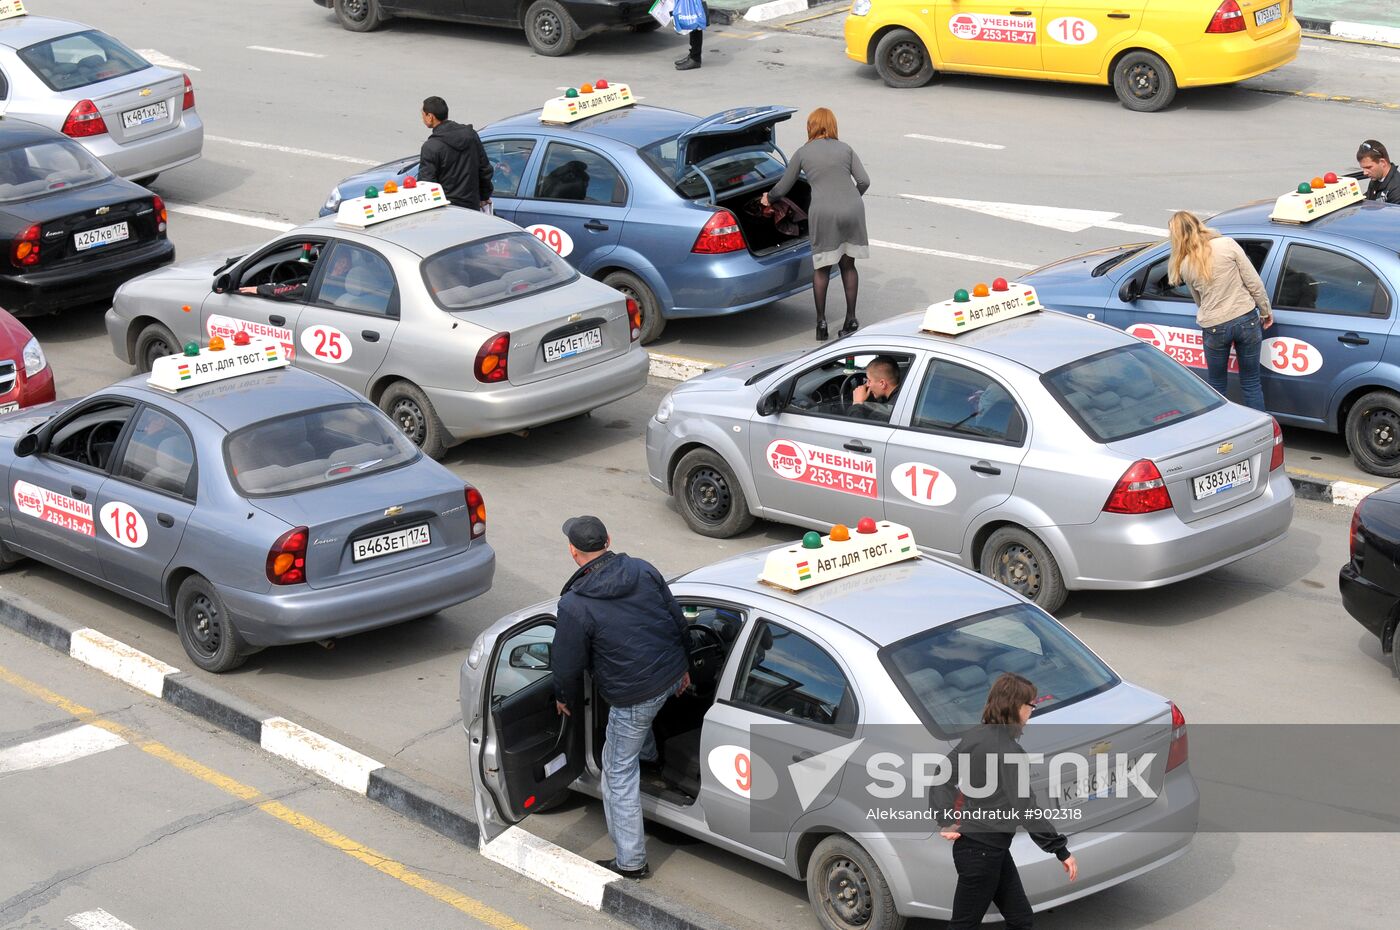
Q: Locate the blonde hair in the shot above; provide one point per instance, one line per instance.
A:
(1190, 240)
(821, 124)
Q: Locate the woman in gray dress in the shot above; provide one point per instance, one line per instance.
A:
(836, 219)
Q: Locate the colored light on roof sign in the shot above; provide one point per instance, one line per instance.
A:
(174, 372)
(839, 555)
(361, 212)
(1307, 203)
(965, 313)
(574, 106)
(11, 8)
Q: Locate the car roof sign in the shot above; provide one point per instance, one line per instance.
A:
(966, 311)
(393, 201)
(839, 554)
(12, 8)
(218, 361)
(586, 100)
(1316, 198)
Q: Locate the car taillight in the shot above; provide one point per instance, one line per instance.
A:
(24, 248)
(634, 318)
(476, 512)
(1357, 538)
(491, 359)
(1140, 490)
(189, 95)
(1228, 18)
(721, 234)
(1276, 459)
(286, 560)
(1177, 753)
(162, 217)
(84, 120)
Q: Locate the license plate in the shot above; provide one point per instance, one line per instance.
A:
(1268, 15)
(389, 543)
(144, 116)
(106, 235)
(1231, 476)
(1090, 786)
(9, 408)
(569, 346)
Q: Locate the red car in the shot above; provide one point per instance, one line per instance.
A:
(26, 378)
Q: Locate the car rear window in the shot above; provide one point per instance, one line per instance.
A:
(313, 448)
(488, 271)
(1128, 391)
(80, 59)
(947, 671)
(728, 168)
(46, 167)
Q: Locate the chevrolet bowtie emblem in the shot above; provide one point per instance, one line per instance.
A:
(1225, 448)
(575, 317)
(145, 92)
(1100, 748)
(393, 511)
(101, 210)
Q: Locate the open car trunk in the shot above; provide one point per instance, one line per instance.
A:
(768, 231)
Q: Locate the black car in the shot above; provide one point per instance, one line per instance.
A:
(1370, 582)
(75, 231)
(553, 27)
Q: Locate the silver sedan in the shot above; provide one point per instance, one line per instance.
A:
(1049, 452)
(139, 119)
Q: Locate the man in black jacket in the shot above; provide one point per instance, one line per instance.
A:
(454, 157)
(1385, 178)
(618, 620)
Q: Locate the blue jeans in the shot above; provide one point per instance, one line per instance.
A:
(629, 738)
(1245, 334)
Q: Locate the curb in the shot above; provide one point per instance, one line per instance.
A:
(1356, 32)
(537, 859)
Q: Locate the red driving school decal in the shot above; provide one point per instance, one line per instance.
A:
(1283, 355)
(979, 27)
(52, 507)
(823, 468)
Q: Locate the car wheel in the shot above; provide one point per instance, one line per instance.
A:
(1143, 82)
(155, 341)
(847, 890)
(1394, 650)
(1022, 562)
(416, 417)
(550, 29)
(359, 15)
(206, 630)
(1373, 433)
(8, 557)
(632, 286)
(902, 61)
(710, 497)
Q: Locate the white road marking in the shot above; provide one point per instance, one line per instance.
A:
(1065, 219)
(284, 51)
(553, 866)
(976, 145)
(165, 61)
(961, 256)
(292, 150)
(98, 920)
(119, 660)
(57, 749)
(325, 757)
(224, 216)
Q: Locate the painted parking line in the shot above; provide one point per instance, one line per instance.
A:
(156, 57)
(976, 145)
(1065, 219)
(284, 51)
(960, 256)
(98, 920)
(1332, 98)
(226, 216)
(67, 746)
(292, 150)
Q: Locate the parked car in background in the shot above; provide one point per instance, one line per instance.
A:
(26, 377)
(1370, 580)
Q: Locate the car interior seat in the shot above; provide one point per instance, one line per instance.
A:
(365, 289)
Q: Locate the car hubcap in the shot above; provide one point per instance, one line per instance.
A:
(355, 10)
(205, 628)
(1383, 433)
(1017, 568)
(848, 897)
(1143, 81)
(709, 495)
(906, 59)
(410, 420)
(156, 348)
(548, 28)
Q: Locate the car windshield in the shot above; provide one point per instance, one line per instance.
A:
(1128, 391)
(313, 448)
(736, 164)
(947, 671)
(1118, 258)
(80, 59)
(489, 271)
(46, 167)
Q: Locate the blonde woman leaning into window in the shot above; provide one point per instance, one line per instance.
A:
(1232, 307)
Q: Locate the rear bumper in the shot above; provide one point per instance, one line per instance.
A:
(474, 414)
(88, 282)
(594, 15)
(717, 285)
(153, 154)
(309, 614)
(1369, 604)
(1238, 57)
(1119, 552)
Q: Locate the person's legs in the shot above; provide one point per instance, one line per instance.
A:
(697, 45)
(1247, 335)
(1010, 897)
(1216, 343)
(629, 730)
(821, 280)
(850, 283)
(979, 874)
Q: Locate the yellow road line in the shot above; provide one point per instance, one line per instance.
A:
(394, 869)
(1374, 43)
(1337, 98)
(1325, 476)
(795, 22)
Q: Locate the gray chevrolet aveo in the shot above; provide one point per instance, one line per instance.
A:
(897, 660)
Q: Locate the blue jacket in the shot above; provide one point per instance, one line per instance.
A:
(618, 620)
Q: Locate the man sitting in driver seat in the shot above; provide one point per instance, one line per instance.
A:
(874, 400)
(295, 289)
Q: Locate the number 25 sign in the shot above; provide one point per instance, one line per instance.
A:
(327, 343)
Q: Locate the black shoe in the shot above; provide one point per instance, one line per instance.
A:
(634, 874)
(681, 61)
(687, 64)
(821, 332)
(850, 326)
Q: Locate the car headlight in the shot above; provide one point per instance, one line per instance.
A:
(333, 201)
(860, 8)
(664, 411)
(474, 656)
(34, 361)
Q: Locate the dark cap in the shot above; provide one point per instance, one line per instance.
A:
(586, 533)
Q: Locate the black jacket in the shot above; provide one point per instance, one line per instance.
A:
(993, 820)
(454, 157)
(618, 620)
(1387, 189)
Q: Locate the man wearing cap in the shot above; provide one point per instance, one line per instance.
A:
(1375, 164)
(618, 620)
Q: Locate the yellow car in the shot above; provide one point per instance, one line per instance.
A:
(1145, 49)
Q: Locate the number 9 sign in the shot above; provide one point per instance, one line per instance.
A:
(124, 524)
(327, 344)
(552, 236)
(742, 773)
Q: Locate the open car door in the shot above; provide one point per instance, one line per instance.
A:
(523, 753)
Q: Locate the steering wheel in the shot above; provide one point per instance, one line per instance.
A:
(848, 387)
(90, 450)
(706, 656)
(286, 272)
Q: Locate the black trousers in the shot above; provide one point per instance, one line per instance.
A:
(697, 43)
(987, 875)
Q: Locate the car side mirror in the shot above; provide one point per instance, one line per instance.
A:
(222, 282)
(531, 656)
(771, 402)
(26, 445)
(1131, 289)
